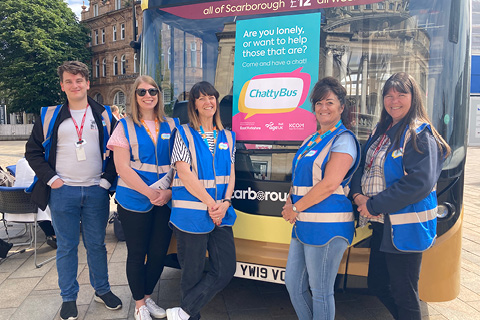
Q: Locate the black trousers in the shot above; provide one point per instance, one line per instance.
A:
(147, 236)
(393, 278)
(47, 228)
(199, 288)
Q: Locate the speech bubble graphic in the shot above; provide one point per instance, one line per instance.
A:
(274, 93)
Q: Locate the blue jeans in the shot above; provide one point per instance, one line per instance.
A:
(310, 278)
(70, 205)
(199, 288)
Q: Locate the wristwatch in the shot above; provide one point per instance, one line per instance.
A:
(295, 209)
(229, 201)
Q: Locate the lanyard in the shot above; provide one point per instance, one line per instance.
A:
(79, 131)
(204, 136)
(316, 138)
(157, 129)
(383, 140)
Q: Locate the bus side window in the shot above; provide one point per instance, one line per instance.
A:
(243, 165)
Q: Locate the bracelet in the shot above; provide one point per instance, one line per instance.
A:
(229, 201)
(358, 194)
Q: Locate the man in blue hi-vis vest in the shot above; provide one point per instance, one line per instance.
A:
(74, 170)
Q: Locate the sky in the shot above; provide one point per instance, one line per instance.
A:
(76, 6)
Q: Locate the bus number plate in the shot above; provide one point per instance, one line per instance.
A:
(260, 272)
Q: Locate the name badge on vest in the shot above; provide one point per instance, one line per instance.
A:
(80, 150)
(311, 153)
(223, 146)
(397, 153)
(165, 136)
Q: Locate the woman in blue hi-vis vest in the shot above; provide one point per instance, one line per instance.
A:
(141, 145)
(318, 207)
(395, 190)
(202, 215)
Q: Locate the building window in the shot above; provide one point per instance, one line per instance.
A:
(368, 6)
(115, 66)
(135, 63)
(114, 33)
(97, 68)
(123, 65)
(169, 57)
(90, 37)
(103, 35)
(118, 4)
(96, 37)
(119, 98)
(391, 6)
(136, 28)
(193, 54)
(99, 98)
(122, 31)
(104, 67)
(95, 10)
(381, 5)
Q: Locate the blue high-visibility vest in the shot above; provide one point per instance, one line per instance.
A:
(149, 160)
(189, 214)
(332, 217)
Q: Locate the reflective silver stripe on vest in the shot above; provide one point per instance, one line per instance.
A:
(48, 118)
(171, 123)
(230, 141)
(302, 191)
(191, 204)
(325, 217)
(317, 164)
(132, 135)
(206, 183)
(121, 183)
(137, 165)
(108, 124)
(413, 217)
(191, 147)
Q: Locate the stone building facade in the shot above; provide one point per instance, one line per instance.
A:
(114, 62)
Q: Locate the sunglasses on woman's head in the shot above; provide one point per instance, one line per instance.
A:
(151, 91)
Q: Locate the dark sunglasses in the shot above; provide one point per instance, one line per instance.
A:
(151, 91)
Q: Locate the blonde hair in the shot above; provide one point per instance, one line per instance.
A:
(207, 89)
(135, 109)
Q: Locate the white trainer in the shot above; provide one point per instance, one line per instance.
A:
(154, 309)
(142, 313)
(172, 314)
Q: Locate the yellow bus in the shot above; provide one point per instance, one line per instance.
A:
(234, 43)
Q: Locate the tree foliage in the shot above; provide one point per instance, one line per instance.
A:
(36, 36)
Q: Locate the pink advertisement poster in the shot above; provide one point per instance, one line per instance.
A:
(276, 65)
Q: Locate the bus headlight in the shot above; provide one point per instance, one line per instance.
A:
(445, 210)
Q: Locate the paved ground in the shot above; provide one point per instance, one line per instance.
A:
(30, 293)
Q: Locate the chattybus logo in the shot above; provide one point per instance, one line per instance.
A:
(260, 195)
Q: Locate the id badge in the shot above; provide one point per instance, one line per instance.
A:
(80, 150)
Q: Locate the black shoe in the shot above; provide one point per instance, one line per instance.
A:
(52, 242)
(4, 248)
(69, 310)
(111, 301)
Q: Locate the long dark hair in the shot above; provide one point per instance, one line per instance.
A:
(404, 83)
(206, 88)
(326, 85)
